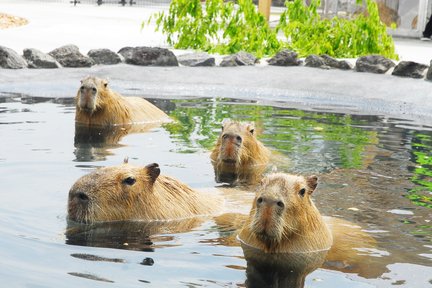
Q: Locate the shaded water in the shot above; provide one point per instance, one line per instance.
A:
(374, 171)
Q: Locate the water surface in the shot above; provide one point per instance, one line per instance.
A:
(374, 171)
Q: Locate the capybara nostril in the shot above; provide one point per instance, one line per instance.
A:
(259, 200)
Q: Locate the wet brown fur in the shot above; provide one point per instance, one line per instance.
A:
(98, 105)
(247, 160)
(109, 197)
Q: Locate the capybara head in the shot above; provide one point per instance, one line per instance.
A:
(111, 193)
(236, 152)
(283, 208)
(89, 96)
(128, 192)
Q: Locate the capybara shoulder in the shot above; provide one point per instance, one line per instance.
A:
(128, 192)
(238, 155)
(283, 217)
(98, 105)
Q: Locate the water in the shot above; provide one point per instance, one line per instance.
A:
(374, 171)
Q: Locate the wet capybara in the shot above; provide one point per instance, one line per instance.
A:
(284, 219)
(127, 192)
(238, 156)
(98, 105)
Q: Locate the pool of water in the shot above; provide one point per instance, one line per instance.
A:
(374, 171)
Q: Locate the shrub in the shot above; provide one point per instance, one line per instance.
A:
(226, 28)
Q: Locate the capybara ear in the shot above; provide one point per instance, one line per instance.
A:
(153, 171)
(105, 82)
(225, 121)
(126, 160)
(250, 127)
(312, 182)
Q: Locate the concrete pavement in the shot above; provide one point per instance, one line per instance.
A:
(110, 26)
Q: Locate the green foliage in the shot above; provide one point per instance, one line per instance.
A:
(421, 194)
(337, 37)
(219, 27)
(225, 28)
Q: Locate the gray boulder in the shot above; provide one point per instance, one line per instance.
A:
(374, 64)
(410, 69)
(338, 64)
(38, 59)
(314, 61)
(239, 59)
(284, 58)
(196, 59)
(429, 72)
(126, 52)
(104, 56)
(10, 59)
(70, 56)
(149, 56)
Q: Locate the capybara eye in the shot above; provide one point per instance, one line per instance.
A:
(129, 181)
(82, 88)
(280, 204)
(94, 89)
(225, 136)
(239, 139)
(302, 192)
(259, 200)
(82, 196)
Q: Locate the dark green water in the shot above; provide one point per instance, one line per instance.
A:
(374, 171)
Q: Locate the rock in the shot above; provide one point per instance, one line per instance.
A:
(314, 61)
(126, 52)
(38, 59)
(374, 64)
(196, 59)
(429, 72)
(410, 69)
(104, 56)
(284, 58)
(10, 59)
(70, 56)
(344, 65)
(149, 56)
(338, 64)
(239, 59)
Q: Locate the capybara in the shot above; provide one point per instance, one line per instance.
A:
(98, 105)
(128, 192)
(238, 156)
(284, 219)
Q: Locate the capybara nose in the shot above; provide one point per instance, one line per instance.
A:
(237, 139)
(269, 202)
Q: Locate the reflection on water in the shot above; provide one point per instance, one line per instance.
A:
(373, 171)
(280, 270)
(133, 235)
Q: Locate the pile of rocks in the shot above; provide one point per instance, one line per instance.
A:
(70, 56)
